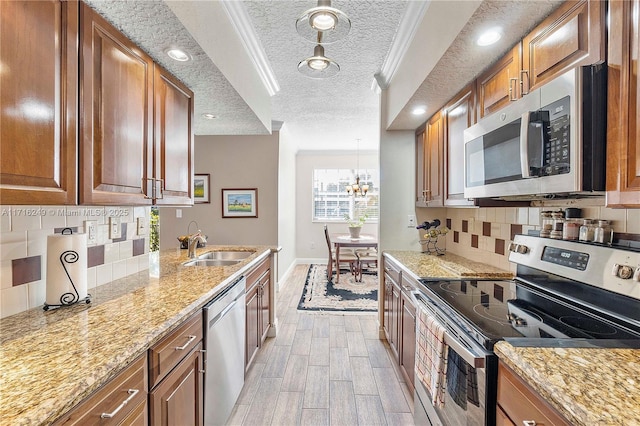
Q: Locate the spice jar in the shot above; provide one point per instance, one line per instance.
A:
(602, 233)
(558, 225)
(586, 230)
(571, 229)
(546, 224)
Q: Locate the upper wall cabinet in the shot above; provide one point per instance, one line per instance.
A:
(460, 113)
(38, 102)
(116, 138)
(429, 177)
(623, 118)
(571, 36)
(499, 85)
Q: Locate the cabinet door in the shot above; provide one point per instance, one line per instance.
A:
(387, 307)
(502, 419)
(116, 101)
(408, 352)
(252, 325)
(178, 399)
(571, 36)
(460, 114)
(173, 138)
(434, 160)
(38, 102)
(395, 319)
(623, 117)
(500, 85)
(265, 290)
(421, 178)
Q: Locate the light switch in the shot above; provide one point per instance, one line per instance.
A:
(91, 229)
(411, 221)
(141, 229)
(114, 228)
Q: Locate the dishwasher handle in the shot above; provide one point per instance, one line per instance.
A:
(222, 314)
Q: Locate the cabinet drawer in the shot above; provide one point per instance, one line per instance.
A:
(122, 398)
(392, 270)
(256, 273)
(521, 403)
(167, 353)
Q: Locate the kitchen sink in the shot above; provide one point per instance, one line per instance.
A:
(212, 262)
(226, 255)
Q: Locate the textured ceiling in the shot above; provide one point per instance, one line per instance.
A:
(320, 114)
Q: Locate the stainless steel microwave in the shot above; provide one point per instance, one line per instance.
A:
(549, 143)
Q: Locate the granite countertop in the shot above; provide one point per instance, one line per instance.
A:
(588, 386)
(449, 265)
(50, 361)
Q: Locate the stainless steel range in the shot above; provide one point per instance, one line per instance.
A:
(565, 294)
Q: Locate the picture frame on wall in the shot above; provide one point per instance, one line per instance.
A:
(201, 188)
(239, 202)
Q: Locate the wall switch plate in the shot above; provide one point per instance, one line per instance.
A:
(411, 221)
(178, 213)
(141, 228)
(114, 228)
(91, 229)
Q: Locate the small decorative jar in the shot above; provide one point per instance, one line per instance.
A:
(558, 225)
(602, 233)
(586, 230)
(546, 224)
(571, 229)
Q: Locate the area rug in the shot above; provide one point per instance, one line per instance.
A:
(320, 294)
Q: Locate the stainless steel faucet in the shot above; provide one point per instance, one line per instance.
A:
(192, 244)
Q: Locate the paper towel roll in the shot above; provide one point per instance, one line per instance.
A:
(66, 263)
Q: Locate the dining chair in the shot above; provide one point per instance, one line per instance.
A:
(346, 256)
(366, 259)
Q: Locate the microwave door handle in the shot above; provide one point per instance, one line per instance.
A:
(524, 145)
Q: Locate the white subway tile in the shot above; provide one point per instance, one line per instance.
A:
(143, 262)
(534, 216)
(5, 218)
(103, 235)
(6, 274)
(37, 293)
(24, 218)
(98, 214)
(13, 245)
(511, 215)
(633, 221)
(126, 249)
(132, 265)
(482, 214)
(76, 216)
(91, 279)
(496, 230)
(618, 218)
(119, 269)
(111, 252)
(141, 212)
(505, 231)
(14, 300)
(37, 242)
(500, 215)
(55, 217)
(491, 214)
(104, 274)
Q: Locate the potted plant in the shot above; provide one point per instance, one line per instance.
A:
(355, 224)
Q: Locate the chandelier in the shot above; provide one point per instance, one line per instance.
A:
(355, 188)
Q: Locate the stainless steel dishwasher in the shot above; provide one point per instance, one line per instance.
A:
(224, 327)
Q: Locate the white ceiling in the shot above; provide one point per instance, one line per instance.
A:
(320, 114)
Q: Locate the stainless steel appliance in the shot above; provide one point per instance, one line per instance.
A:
(224, 325)
(566, 294)
(551, 141)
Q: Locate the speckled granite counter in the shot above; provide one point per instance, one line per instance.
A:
(448, 265)
(50, 361)
(587, 386)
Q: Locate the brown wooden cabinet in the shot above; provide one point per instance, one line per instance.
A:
(38, 102)
(408, 327)
(573, 35)
(258, 309)
(122, 401)
(623, 118)
(460, 113)
(392, 313)
(499, 85)
(521, 404)
(178, 399)
(429, 149)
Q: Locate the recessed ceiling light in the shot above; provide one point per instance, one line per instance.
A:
(489, 37)
(178, 54)
(209, 116)
(419, 110)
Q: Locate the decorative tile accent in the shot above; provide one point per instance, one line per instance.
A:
(26, 270)
(74, 229)
(465, 226)
(448, 223)
(456, 237)
(95, 256)
(474, 241)
(138, 246)
(498, 292)
(515, 229)
(499, 246)
(486, 229)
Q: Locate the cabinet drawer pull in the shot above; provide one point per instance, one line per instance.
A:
(160, 190)
(132, 394)
(513, 96)
(522, 74)
(407, 288)
(149, 189)
(183, 347)
(529, 423)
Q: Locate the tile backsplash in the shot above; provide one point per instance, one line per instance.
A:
(23, 247)
(484, 234)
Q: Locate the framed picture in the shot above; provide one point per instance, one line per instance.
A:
(201, 189)
(240, 202)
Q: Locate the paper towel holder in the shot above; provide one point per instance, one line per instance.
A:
(68, 298)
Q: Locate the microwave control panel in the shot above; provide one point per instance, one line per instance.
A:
(557, 151)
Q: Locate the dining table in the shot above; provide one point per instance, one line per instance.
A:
(346, 240)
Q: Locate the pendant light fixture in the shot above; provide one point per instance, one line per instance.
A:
(318, 65)
(355, 189)
(331, 22)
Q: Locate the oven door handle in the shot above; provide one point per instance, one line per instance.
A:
(477, 361)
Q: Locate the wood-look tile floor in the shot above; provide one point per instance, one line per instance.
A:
(325, 368)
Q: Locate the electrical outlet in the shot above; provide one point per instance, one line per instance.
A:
(91, 229)
(178, 213)
(312, 245)
(411, 221)
(114, 228)
(141, 228)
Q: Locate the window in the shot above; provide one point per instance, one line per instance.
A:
(331, 200)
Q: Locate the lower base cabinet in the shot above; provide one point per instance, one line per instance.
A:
(257, 300)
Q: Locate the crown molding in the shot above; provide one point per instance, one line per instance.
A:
(242, 24)
(407, 28)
